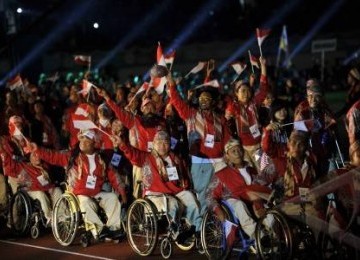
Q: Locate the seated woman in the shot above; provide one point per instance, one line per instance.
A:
(164, 173)
(236, 184)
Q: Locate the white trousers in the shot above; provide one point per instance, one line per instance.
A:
(46, 203)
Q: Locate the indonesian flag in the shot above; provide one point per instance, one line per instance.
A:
(160, 59)
(230, 230)
(201, 65)
(170, 57)
(143, 88)
(82, 110)
(86, 87)
(13, 130)
(82, 60)
(238, 67)
(158, 84)
(261, 34)
(212, 83)
(84, 124)
(15, 82)
(254, 61)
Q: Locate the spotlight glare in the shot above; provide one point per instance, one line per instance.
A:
(96, 25)
(19, 10)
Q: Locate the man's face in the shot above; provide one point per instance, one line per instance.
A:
(86, 145)
(313, 98)
(116, 127)
(243, 94)
(162, 146)
(296, 147)
(235, 154)
(205, 100)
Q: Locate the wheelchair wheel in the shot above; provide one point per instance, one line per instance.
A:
(166, 248)
(35, 231)
(142, 228)
(20, 213)
(212, 235)
(65, 223)
(275, 241)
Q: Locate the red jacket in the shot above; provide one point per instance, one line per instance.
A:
(152, 179)
(141, 134)
(188, 114)
(236, 110)
(78, 174)
(27, 175)
(229, 183)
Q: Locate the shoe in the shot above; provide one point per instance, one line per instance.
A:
(105, 232)
(183, 236)
(117, 234)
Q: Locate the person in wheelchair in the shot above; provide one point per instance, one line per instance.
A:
(86, 177)
(236, 184)
(33, 177)
(164, 173)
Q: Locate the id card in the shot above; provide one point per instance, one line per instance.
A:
(172, 173)
(254, 130)
(173, 142)
(42, 180)
(209, 141)
(115, 160)
(304, 194)
(150, 146)
(90, 182)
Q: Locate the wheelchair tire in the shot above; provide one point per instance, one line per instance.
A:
(142, 227)
(66, 214)
(34, 232)
(212, 235)
(273, 242)
(166, 248)
(20, 213)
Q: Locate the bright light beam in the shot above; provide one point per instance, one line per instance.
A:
(56, 33)
(274, 20)
(195, 22)
(134, 32)
(318, 25)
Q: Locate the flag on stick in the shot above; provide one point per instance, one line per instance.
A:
(213, 83)
(253, 62)
(200, 66)
(169, 58)
(230, 230)
(261, 34)
(283, 47)
(82, 60)
(16, 82)
(86, 87)
(160, 56)
(238, 67)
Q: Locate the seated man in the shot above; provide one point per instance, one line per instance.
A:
(164, 173)
(34, 178)
(87, 174)
(235, 183)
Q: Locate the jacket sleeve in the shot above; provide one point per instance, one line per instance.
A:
(135, 156)
(116, 181)
(10, 167)
(59, 158)
(125, 117)
(261, 94)
(180, 105)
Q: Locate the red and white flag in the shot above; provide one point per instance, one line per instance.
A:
(86, 87)
(200, 66)
(212, 83)
(14, 130)
(82, 110)
(160, 56)
(261, 34)
(254, 61)
(239, 67)
(82, 60)
(84, 124)
(170, 57)
(15, 82)
(158, 84)
(230, 230)
(144, 87)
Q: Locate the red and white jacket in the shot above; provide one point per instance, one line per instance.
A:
(79, 172)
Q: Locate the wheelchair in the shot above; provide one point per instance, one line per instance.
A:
(68, 223)
(213, 238)
(26, 215)
(147, 225)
